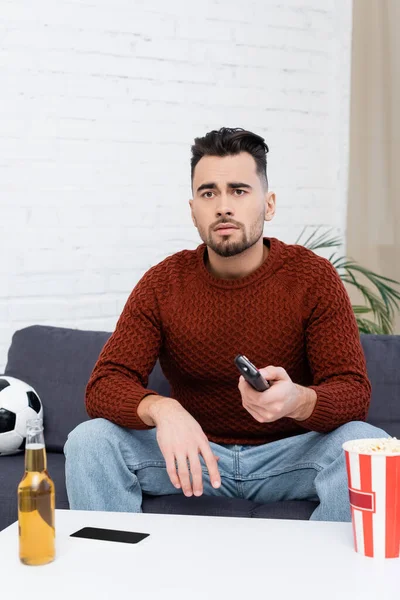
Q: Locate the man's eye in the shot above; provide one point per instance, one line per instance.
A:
(205, 195)
(239, 192)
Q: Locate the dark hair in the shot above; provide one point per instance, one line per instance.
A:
(227, 141)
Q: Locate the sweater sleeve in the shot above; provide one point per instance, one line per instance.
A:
(335, 356)
(119, 379)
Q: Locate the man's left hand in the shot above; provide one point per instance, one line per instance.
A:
(283, 399)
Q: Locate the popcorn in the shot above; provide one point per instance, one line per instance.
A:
(385, 446)
(373, 472)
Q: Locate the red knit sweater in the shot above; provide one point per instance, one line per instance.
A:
(292, 312)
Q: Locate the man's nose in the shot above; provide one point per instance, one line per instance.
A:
(224, 207)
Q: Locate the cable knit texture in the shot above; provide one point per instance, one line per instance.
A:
(292, 312)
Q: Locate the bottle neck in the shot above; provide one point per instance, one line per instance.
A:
(35, 451)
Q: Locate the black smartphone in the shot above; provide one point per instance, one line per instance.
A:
(110, 535)
(251, 374)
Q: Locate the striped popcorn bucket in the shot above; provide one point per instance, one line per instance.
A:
(374, 492)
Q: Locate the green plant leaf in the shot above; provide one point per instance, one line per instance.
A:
(323, 241)
(367, 326)
(360, 310)
(377, 306)
(389, 295)
(382, 300)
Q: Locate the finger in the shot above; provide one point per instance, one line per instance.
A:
(255, 413)
(272, 373)
(183, 473)
(211, 464)
(263, 416)
(243, 385)
(171, 470)
(197, 474)
(246, 390)
(256, 416)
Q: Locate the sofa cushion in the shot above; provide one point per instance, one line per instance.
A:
(11, 472)
(57, 363)
(286, 509)
(178, 504)
(382, 353)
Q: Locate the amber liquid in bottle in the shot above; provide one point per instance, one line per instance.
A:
(36, 502)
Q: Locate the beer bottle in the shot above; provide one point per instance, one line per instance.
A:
(36, 502)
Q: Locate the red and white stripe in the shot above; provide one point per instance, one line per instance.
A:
(374, 491)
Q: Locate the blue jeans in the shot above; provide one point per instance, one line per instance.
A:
(108, 467)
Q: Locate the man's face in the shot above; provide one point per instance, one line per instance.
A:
(228, 190)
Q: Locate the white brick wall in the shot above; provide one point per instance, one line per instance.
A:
(99, 104)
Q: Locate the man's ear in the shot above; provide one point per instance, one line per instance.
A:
(191, 210)
(270, 205)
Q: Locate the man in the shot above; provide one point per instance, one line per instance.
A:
(238, 292)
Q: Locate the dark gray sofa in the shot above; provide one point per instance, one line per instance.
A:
(57, 362)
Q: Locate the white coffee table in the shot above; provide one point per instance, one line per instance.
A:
(199, 557)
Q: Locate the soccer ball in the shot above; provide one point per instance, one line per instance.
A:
(18, 403)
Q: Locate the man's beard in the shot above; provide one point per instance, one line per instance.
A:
(224, 247)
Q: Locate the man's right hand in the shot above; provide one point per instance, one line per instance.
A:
(181, 440)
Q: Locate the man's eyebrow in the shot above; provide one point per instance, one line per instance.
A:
(233, 185)
(238, 184)
(206, 186)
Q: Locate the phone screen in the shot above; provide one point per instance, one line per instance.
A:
(110, 535)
